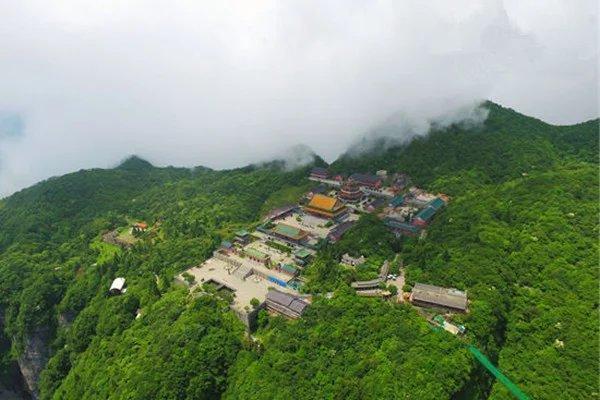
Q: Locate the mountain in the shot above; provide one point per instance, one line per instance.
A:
(135, 163)
(507, 145)
(519, 235)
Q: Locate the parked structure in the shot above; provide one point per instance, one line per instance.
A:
(325, 206)
(285, 304)
(435, 296)
(117, 286)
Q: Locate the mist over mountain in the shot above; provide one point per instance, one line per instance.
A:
(230, 84)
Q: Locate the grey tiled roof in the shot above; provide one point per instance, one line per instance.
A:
(441, 296)
(287, 300)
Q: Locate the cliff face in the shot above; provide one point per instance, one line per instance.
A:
(34, 358)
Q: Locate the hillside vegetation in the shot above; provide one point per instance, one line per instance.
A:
(519, 234)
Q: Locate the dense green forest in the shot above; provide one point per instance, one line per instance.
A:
(520, 235)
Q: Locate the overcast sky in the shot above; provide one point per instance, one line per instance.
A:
(222, 84)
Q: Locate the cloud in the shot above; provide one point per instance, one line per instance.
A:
(224, 84)
(401, 127)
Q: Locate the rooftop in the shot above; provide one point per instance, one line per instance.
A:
(365, 178)
(452, 298)
(319, 171)
(397, 201)
(392, 223)
(324, 202)
(252, 252)
(337, 232)
(118, 284)
(436, 203)
(289, 268)
(302, 253)
(287, 300)
(280, 211)
(289, 231)
(426, 214)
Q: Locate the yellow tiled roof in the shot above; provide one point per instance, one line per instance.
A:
(323, 202)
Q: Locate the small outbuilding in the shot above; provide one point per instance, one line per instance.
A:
(242, 236)
(139, 227)
(118, 286)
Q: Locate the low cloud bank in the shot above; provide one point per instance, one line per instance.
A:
(225, 84)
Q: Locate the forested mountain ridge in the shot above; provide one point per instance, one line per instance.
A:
(505, 146)
(519, 234)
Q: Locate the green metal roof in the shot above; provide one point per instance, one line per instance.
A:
(426, 214)
(436, 203)
(256, 253)
(242, 233)
(288, 231)
(397, 200)
(289, 268)
(302, 253)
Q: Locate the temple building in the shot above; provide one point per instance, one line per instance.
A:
(319, 173)
(438, 297)
(370, 181)
(288, 269)
(281, 212)
(302, 256)
(337, 232)
(285, 304)
(426, 214)
(325, 206)
(258, 256)
(350, 192)
(289, 233)
(242, 236)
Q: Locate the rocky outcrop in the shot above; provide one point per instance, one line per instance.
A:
(33, 359)
(65, 319)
